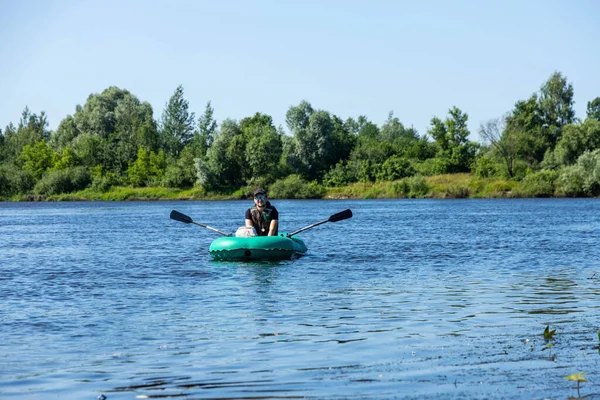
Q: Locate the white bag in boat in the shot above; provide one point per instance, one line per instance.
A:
(245, 231)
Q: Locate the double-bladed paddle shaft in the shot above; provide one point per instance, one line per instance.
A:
(177, 216)
(334, 218)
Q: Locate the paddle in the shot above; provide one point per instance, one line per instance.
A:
(177, 216)
(334, 218)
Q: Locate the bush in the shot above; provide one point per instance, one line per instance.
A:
(432, 166)
(14, 180)
(341, 175)
(570, 181)
(177, 176)
(294, 187)
(104, 183)
(590, 162)
(412, 187)
(486, 167)
(456, 191)
(582, 179)
(395, 168)
(498, 189)
(63, 181)
(538, 184)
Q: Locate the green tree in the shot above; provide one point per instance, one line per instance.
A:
(526, 128)
(177, 122)
(65, 134)
(502, 141)
(395, 168)
(593, 109)
(224, 167)
(576, 140)
(393, 131)
(148, 168)
(182, 173)
(314, 140)
(263, 148)
(97, 116)
(64, 159)
(451, 137)
(204, 136)
(556, 102)
(31, 129)
(37, 158)
(344, 140)
(109, 129)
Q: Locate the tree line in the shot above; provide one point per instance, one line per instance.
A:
(114, 139)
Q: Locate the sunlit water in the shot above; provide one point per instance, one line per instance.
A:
(409, 298)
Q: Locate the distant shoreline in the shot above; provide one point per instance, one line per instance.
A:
(449, 186)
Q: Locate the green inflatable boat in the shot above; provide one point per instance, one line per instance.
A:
(270, 248)
(245, 246)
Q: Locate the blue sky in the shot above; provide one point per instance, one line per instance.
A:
(350, 58)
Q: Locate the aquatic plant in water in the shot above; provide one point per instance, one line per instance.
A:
(577, 377)
(548, 335)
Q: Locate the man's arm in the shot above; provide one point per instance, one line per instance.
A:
(248, 217)
(273, 227)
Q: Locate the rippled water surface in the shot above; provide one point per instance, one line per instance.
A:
(409, 298)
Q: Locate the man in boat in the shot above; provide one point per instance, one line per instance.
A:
(262, 216)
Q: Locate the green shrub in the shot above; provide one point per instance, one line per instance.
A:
(14, 180)
(341, 175)
(570, 181)
(412, 187)
(104, 183)
(498, 189)
(486, 167)
(538, 184)
(294, 187)
(582, 179)
(418, 186)
(395, 168)
(456, 191)
(401, 188)
(590, 162)
(432, 166)
(63, 181)
(177, 176)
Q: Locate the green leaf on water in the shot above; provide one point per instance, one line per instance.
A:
(576, 377)
(549, 333)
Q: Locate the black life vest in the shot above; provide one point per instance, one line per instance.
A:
(262, 220)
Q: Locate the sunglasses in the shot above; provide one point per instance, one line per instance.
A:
(260, 198)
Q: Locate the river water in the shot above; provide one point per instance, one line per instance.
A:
(408, 299)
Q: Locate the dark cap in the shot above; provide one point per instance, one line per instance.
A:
(260, 191)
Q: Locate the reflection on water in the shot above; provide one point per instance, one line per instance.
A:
(408, 298)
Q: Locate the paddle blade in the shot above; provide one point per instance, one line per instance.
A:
(177, 216)
(340, 216)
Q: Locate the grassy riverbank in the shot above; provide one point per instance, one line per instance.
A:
(441, 186)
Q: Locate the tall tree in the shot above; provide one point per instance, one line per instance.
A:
(313, 133)
(525, 124)
(452, 138)
(109, 129)
(31, 129)
(502, 141)
(263, 148)
(576, 140)
(206, 130)
(177, 122)
(556, 105)
(224, 167)
(593, 109)
(394, 131)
